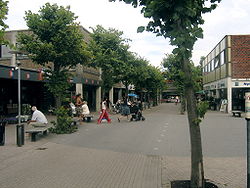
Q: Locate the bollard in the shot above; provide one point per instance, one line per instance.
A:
(20, 135)
(2, 132)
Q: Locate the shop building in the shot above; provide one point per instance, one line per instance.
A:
(226, 72)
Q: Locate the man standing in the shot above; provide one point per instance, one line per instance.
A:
(38, 118)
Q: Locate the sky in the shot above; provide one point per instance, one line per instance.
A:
(229, 18)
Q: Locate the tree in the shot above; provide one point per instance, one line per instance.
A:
(3, 13)
(180, 22)
(173, 72)
(110, 53)
(56, 38)
(154, 82)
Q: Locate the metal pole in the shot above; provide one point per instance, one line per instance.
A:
(248, 153)
(19, 95)
(247, 110)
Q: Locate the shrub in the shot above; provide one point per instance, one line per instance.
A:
(63, 125)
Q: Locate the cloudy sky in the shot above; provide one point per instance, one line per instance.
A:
(231, 17)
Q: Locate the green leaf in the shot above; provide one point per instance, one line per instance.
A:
(140, 29)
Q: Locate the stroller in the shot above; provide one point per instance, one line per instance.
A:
(73, 109)
(136, 113)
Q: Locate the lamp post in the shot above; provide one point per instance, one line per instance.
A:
(19, 128)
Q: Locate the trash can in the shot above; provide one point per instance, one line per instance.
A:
(20, 135)
(2, 132)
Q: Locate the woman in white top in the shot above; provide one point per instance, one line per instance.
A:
(104, 113)
(85, 108)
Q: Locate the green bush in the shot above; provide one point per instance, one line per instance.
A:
(202, 108)
(26, 109)
(63, 125)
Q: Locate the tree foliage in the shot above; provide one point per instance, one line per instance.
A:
(109, 51)
(3, 17)
(55, 38)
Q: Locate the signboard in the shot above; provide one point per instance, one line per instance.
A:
(247, 105)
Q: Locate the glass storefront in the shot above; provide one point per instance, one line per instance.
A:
(238, 98)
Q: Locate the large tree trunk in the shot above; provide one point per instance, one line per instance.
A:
(197, 171)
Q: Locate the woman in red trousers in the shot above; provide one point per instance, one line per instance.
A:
(104, 113)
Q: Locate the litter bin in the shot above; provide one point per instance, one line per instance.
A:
(20, 135)
(2, 132)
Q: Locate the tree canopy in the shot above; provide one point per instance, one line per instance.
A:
(3, 17)
(55, 38)
(109, 51)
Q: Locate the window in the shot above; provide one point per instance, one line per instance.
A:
(5, 52)
(216, 62)
(222, 57)
(212, 65)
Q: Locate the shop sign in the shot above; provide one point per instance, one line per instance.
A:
(246, 84)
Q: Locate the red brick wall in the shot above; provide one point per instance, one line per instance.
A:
(240, 56)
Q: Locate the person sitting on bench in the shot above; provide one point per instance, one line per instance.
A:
(38, 118)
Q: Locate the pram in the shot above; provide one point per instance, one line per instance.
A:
(136, 113)
(73, 109)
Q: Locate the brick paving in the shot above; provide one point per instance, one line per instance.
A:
(47, 164)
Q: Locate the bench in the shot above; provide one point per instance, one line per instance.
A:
(88, 117)
(34, 131)
(237, 113)
(75, 121)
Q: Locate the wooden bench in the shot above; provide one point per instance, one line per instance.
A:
(75, 121)
(88, 117)
(34, 131)
(236, 113)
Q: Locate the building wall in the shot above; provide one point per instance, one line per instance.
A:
(240, 52)
(232, 73)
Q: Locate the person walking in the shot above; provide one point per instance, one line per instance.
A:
(104, 113)
(125, 110)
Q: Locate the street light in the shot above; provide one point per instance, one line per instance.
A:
(20, 128)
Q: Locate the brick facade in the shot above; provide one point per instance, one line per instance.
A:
(240, 56)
